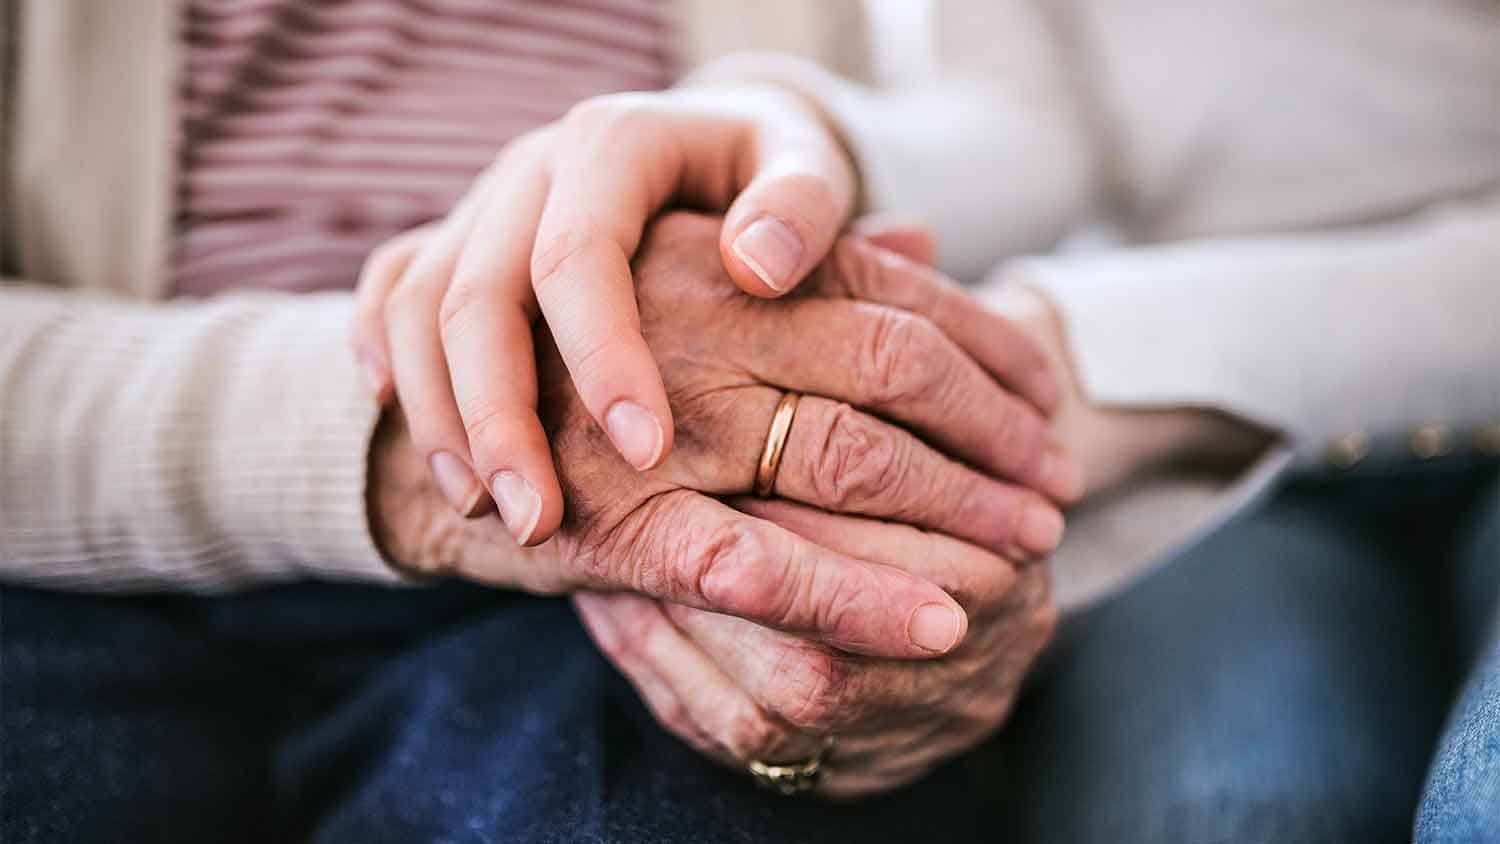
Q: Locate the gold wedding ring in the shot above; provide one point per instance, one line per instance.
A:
(770, 458)
(790, 778)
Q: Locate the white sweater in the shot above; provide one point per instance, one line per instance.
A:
(1302, 202)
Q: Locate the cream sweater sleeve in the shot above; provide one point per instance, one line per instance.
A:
(1315, 250)
(1376, 333)
(202, 446)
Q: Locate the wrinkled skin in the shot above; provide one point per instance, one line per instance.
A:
(829, 589)
(933, 366)
(737, 691)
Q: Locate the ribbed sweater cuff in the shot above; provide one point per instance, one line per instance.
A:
(290, 450)
(200, 446)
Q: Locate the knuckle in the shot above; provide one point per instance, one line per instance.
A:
(858, 461)
(461, 306)
(634, 637)
(589, 553)
(411, 295)
(596, 361)
(902, 360)
(484, 423)
(734, 567)
(587, 113)
(672, 714)
(988, 590)
(618, 648)
(614, 115)
(553, 253)
(425, 436)
(636, 549)
(741, 569)
(598, 549)
(522, 149)
(1010, 530)
(752, 734)
(978, 580)
(383, 260)
(807, 688)
(594, 567)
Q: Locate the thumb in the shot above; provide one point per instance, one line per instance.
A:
(785, 220)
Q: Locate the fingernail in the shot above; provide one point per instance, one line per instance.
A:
(772, 250)
(1061, 476)
(636, 433)
(456, 482)
(1041, 528)
(520, 506)
(934, 627)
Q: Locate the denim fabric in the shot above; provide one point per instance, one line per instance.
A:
(1461, 802)
(1287, 680)
(339, 714)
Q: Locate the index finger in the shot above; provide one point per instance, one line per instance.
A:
(603, 190)
(696, 551)
(978, 579)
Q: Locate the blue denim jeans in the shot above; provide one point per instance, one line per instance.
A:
(1325, 669)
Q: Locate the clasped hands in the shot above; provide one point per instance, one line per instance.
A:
(888, 594)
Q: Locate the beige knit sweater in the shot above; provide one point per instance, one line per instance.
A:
(203, 446)
(1308, 193)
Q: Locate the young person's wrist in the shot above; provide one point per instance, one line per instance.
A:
(1115, 443)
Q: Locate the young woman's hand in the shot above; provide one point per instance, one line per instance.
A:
(444, 318)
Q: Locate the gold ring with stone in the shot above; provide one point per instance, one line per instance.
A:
(792, 778)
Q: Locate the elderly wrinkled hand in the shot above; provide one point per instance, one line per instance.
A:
(739, 692)
(879, 345)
